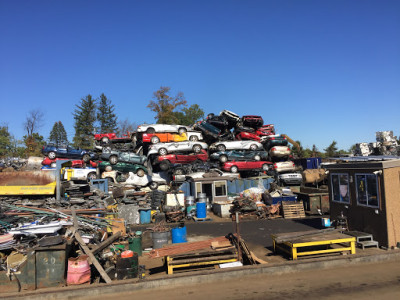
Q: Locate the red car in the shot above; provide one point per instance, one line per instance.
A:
(247, 136)
(253, 121)
(75, 163)
(166, 160)
(266, 130)
(106, 138)
(237, 166)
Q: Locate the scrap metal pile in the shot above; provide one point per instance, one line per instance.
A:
(386, 144)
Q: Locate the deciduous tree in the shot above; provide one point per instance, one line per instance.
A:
(190, 115)
(165, 105)
(33, 140)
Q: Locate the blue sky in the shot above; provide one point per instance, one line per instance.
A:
(319, 70)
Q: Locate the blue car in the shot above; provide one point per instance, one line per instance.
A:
(53, 152)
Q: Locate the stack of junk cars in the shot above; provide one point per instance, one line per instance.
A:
(224, 142)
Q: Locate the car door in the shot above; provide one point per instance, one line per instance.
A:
(181, 158)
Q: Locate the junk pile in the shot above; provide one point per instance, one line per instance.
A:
(386, 144)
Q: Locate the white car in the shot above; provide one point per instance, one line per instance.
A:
(236, 145)
(153, 128)
(80, 174)
(194, 135)
(279, 151)
(290, 179)
(165, 148)
(284, 166)
(152, 181)
(231, 116)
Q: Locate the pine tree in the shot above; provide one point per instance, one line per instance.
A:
(58, 135)
(106, 116)
(85, 118)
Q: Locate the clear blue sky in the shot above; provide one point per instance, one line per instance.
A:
(319, 70)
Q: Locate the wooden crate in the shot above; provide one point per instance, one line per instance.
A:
(293, 210)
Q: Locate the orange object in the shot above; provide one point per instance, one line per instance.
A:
(127, 253)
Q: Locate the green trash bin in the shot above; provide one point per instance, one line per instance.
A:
(135, 244)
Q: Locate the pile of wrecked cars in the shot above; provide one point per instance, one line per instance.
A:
(84, 205)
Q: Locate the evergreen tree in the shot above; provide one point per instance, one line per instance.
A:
(58, 135)
(106, 116)
(85, 118)
(5, 141)
(331, 150)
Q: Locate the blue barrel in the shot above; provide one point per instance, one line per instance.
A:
(201, 209)
(145, 216)
(179, 235)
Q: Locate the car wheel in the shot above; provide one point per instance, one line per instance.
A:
(253, 147)
(52, 155)
(53, 165)
(153, 185)
(155, 140)
(163, 151)
(182, 130)
(193, 138)
(179, 171)
(86, 158)
(234, 169)
(223, 158)
(150, 130)
(257, 157)
(105, 140)
(221, 148)
(108, 169)
(91, 175)
(265, 167)
(197, 148)
(113, 159)
(140, 173)
(164, 165)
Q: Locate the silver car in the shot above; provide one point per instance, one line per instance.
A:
(236, 145)
(188, 146)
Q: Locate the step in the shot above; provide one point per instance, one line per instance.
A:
(365, 244)
(360, 236)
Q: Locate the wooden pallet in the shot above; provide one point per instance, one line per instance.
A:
(293, 210)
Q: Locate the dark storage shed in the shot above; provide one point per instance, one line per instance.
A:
(368, 194)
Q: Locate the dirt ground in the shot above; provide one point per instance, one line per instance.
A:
(364, 281)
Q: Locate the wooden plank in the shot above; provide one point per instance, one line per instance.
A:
(96, 249)
(257, 259)
(86, 249)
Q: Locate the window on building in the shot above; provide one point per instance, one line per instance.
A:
(367, 190)
(199, 188)
(220, 188)
(340, 188)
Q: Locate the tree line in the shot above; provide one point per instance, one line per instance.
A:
(97, 115)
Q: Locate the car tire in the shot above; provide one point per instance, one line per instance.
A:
(105, 140)
(164, 165)
(193, 138)
(265, 167)
(234, 169)
(53, 165)
(113, 159)
(140, 172)
(221, 148)
(52, 155)
(257, 157)
(86, 158)
(150, 130)
(91, 175)
(223, 158)
(153, 185)
(108, 169)
(253, 147)
(197, 148)
(162, 151)
(155, 140)
(182, 130)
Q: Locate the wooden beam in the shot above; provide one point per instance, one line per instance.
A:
(96, 249)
